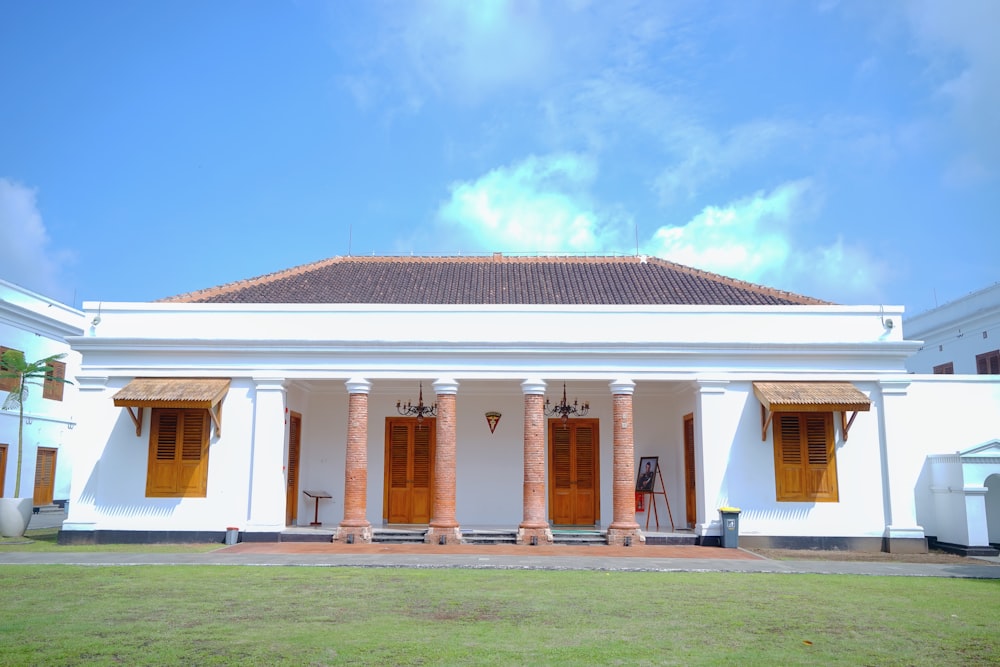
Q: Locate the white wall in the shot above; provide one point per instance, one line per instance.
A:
(956, 332)
(38, 326)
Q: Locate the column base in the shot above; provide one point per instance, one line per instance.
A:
(360, 534)
(443, 535)
(534, 536)
(904, 540)
(626, 537)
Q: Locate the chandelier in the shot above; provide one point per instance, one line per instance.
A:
(565, 410)
(420, 410)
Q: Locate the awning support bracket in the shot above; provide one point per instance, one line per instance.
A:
(765, 421)
(845, 423)
(136, 419)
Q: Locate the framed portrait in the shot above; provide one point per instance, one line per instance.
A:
(647, 473)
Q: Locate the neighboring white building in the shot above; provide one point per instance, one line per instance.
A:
(960, 337)
(38, 327)
(220, 409)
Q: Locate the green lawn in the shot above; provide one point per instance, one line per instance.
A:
(186, 615)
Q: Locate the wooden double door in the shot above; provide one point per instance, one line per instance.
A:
(574, 472)
(409, 470)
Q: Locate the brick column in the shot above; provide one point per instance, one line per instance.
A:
(535, 525)
(623, 528)
(444, 527)
(355, 527)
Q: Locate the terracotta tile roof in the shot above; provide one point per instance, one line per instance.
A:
(497, 279)
(806, 396)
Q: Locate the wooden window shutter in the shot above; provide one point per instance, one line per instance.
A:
(178, 453)
(788, 475)
(6, 384)
(805, 467)
(53, 388)
(988, 363)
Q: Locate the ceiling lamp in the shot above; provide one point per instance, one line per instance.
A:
(565, 410)
(419, 410)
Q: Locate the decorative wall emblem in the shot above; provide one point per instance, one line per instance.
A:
(492, 418)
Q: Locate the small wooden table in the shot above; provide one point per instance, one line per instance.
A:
(317, 496)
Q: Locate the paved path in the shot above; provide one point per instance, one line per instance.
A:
(601, 558)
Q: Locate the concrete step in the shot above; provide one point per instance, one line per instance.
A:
(47, 509)
(489, 536)
(397, 536)
(579, 537)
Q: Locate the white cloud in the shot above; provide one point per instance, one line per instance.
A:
(29, 261)
(755, 239)
(540, 204)
(960, 44)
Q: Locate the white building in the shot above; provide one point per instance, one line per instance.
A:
(220, 409)
(960, 337)
(38, 327)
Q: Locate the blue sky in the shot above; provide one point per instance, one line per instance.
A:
(844, 150)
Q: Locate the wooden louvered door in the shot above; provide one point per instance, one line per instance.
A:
(690, 484)
(409, 470)
(294, 447)
(45, 475)
(574, 472)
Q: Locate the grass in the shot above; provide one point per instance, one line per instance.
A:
(45, 539)
(215, 615)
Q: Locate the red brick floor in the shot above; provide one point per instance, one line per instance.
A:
(597, 551)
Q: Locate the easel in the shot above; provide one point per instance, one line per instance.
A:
(652, 500)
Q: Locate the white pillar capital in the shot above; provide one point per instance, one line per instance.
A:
(622, 387)
(445, 386)
(533, 386)
(358, 386)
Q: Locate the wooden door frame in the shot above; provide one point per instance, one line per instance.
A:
(427, 422)
(549, 455)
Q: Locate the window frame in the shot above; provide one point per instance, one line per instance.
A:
(988, 363)
(805, 471)
(181, 476)
(947, 368)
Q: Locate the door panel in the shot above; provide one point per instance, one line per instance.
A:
(294, 448)
(45, 476)
(690, 488)
(409, 470)
(574, 472)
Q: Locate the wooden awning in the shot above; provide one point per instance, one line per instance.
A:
(842, 397)
(206, 393)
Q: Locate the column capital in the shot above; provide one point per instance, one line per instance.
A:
(268, 383)
(92, 382)
(358, 386)
(622, 387)
(894, 387)
(445, 386)
(533, 386)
